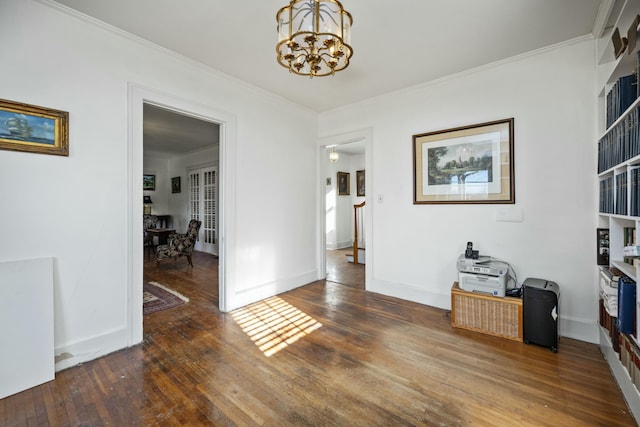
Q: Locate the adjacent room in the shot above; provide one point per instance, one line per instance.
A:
(319, 212)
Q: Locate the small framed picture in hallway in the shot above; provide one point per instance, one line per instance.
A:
(343, 184)
(360, 183)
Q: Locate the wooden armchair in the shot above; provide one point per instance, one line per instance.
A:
(180, 244)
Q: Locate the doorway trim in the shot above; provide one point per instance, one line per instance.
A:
(365, 134)
(137, 96)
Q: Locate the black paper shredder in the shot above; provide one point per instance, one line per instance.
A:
(540, 312)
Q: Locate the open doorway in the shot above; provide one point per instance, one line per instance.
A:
(180, 167)
(345, 207)
(138, 97)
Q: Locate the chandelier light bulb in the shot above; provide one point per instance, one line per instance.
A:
(333, 155)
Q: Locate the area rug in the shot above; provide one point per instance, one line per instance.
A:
(158, 297)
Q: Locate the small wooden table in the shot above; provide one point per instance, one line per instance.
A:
(162, 234)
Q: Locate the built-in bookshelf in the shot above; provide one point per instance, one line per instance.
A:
(618, 167)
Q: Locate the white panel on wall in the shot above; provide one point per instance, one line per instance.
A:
(26, 313)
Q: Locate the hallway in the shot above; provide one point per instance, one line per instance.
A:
(341, 271)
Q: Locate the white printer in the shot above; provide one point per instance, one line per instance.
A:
(482, 275)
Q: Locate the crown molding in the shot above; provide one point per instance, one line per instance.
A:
(170, 53)
(465, 73)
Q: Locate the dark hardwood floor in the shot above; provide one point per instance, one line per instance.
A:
(323, 354)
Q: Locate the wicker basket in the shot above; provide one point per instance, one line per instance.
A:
(491, 315)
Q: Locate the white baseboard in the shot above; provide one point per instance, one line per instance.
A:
(410, 293)
(89, 349)
(340, 245)
(579, 329)
(266, 290)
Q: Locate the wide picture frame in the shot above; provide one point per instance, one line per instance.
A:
(33, 129)
(468, 164)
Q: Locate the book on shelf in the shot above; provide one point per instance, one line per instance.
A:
(634, 200)
(630, 357)
(621, 194)
(627, 305)
(637, 68)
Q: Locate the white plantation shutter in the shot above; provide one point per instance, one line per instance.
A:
(203, 200)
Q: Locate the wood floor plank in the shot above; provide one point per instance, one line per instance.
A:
(340, 356)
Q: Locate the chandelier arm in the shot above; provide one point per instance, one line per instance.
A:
(296, 58)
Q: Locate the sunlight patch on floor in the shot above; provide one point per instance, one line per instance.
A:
(274, 324)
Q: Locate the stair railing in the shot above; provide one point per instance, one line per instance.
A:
(355, 231)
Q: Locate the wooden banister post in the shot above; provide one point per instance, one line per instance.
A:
(355, 228)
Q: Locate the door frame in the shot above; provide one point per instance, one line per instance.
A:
(137, 96)
(323, 144)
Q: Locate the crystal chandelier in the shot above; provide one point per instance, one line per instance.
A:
(314, 37)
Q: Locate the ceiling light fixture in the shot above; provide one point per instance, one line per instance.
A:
(314, 37)
(333, 155)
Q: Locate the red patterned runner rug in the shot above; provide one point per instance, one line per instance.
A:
(158, 297)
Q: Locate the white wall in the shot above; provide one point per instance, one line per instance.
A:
(75, 208)
(158, 165)
(338, 207)
(551, 96)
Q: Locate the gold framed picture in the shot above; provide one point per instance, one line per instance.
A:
(25, 127)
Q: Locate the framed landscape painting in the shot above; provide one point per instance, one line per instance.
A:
(149, 182)
(469, 164)
(25, 127)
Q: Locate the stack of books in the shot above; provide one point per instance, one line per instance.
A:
(620, 97)
(615, 199)
(622, 141)
(630, 358)
(609, 277)
(607, 201)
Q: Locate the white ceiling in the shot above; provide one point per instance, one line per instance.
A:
(168, 133)
(397, 44)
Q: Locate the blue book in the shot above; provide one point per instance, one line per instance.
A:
(626, 305)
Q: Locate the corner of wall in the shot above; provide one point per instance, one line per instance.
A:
(86, 350)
